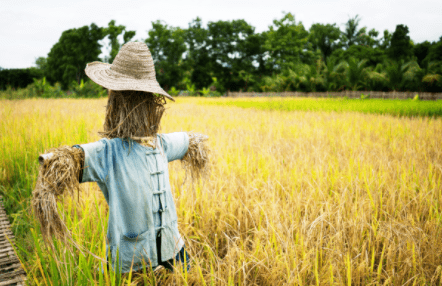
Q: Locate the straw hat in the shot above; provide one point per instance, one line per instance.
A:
(132, 69)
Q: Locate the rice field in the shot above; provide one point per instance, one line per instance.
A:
(394, 107)
(296, 197)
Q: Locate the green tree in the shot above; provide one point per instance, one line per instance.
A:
(287, 80)
(167, 46)
(18, 78)
(421, 51)
(113, 31)
(231, 52)
(376, 78)
(198, 62)
(302, 77)
(350, 35)
(68, 57)
(399, 73)
(334, 77)
(324, 38)
(257, 44)
(385, 41)
(311, 79)
(368, 39)
(435, 56)
(428, 78)
(415, 75)
(287, 44)
(356, 72)
(373, 56)
(400, 47)
(41, 63)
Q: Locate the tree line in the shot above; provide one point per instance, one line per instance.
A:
(230, 56)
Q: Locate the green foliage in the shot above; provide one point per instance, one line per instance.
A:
(205, 91)
(334, 77)
(365, 96)
(324, 38)
(377, 79)
(416, 97)
(400, 73)
(350, 35)
(42, 89)
(167, 47)
(421, 51)
(287, 43)
(249, 80)
(68, 57)
(88, 89)
(232, 50)
(386, 40)
(434, 61)
(198, 61)
(373, 56)
(302, 78)
(190, 88)
(286, 57)
(113, 32)
(173, 91)
(368, 39)
(400, 47)
(13, 93)
(41, 64)
(356, 73)
(215, 85)
(18, 78)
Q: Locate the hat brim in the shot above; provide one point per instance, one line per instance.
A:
(102, 74)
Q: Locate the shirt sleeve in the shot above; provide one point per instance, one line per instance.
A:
(175, 145)
(95, 161)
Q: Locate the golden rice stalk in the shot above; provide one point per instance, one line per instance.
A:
(196, 161)
(57, 175)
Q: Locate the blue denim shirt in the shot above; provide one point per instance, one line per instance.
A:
(135, 182)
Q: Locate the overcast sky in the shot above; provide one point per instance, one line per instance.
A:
(28, 29)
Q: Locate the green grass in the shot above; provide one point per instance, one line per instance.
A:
(408, 108)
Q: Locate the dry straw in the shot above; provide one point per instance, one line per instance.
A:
(58, 175)
(133, 114)
(129, 114)
(196, 161)
(132, 69)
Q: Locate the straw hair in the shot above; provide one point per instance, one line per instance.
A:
(132, 114)
(132, 69)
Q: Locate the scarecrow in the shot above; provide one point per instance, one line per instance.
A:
(130, 166)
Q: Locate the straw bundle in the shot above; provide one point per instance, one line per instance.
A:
(196, 161)
(57, 175)
(133, 114)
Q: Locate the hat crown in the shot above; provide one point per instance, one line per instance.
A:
(134, 60)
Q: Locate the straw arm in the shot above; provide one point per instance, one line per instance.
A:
(196, 160)
(47, 156)
(60, 172)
